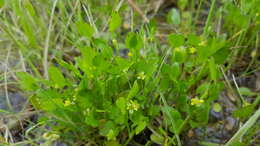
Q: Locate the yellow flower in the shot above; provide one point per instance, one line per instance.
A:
(141, 76)
(196, 101)
(203, 43)
(50, 136)
(132, 106)
(257, 14)
(130, 54)
(177, 49)
(192, 50)
(67, 103)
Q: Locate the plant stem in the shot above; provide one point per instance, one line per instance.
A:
(46, 47)
(172, 121)
(205, 31)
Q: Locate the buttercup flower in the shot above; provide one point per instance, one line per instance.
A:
(192, 50)
(132, 106)
(203, 43)
(141, 76)
(196, 101)
(50, 136)
(130, 54)
(68, 103)
(177, 49)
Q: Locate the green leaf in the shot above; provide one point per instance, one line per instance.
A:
(115, 115)
(172, 113)
(69, 67)
(212, 69)
(57, 77)
(35, 102)
(108, 130)
(200, 114)
(91, 120)
(115, 22)
(179, 55)
(140, 127)
(221, 55)
(123, 64)
(164, 84)
(175, 70)
(176, 40)
(106, 50)
(203, 88)
(244, 112)
(154, 110)
(85, 29)
(133, 41)
(193, 40)
(49, 100)
(158, 139)
(245, 91)
(2, 2)
(27, 82)
(134, 90)
(173, 17)
(147, 65)
(121, 104)
(112, 143)
(88, 55)
(208, 144)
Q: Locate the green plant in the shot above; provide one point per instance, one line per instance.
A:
(104, 94)
(113, 95)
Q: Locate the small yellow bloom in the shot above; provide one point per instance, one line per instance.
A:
(177, 49)
(196, 101)
(203, 43)
(130, 54)
(50, 136)
(141, 76)
(257, 14)
(67, 103)
(132, 106)
(192, 50)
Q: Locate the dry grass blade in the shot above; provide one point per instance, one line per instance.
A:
(46, 47)
(138, 10)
